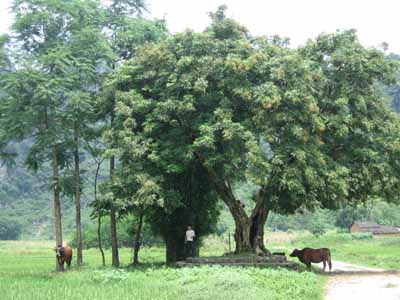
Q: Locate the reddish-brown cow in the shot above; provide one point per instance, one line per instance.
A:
(64, 254)
(309, 255)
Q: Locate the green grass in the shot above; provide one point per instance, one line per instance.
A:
(26, 272)
(382, 252)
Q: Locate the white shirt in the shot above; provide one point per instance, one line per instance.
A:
(190, 235)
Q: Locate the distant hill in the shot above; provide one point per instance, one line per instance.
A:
(25, 199)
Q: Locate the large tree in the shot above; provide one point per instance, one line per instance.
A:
(307, 126)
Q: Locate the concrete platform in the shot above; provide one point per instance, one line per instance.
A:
(241, 261)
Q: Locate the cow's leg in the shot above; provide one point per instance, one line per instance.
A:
(308, 266)
(69, 262)
(324, 262)
(330, 265)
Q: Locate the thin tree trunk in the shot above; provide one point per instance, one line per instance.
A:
(57, 206)
(113, 221)
(137, 240)
(99, 240)
(79, 259)
(113, 225)
(114, 240)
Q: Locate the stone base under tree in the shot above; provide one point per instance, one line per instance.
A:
(250, 260)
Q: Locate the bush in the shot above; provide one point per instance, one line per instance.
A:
(317, 227)
(362, 236)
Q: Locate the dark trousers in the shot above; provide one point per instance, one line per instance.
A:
(190, 249)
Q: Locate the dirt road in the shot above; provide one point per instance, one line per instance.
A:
(352, 282)
(363, 287)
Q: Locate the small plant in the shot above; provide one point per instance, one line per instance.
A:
(110, 276)
(362, 236)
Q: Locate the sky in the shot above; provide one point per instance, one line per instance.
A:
(376, 21)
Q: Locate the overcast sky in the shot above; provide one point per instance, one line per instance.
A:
(376, 21)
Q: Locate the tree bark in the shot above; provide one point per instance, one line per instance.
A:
(113, 225)
(175, 249)
(258, 218)
(79, 258)
(249, 231)
(99, 241)
(136, 248)
(114, 240)
(113, 219)
(57, 206)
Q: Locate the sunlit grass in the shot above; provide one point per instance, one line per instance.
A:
(27, 272)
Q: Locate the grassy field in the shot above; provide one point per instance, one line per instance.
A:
(362, 249)
(26, 272)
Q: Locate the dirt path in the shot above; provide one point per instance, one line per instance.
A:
(363, 287)
(352, 282)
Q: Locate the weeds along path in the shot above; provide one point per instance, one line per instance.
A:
(352, 282)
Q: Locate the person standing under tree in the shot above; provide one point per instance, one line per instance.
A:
(189, 241)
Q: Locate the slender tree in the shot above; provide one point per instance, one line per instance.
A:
(89, 51)
(125, 33)
(35, 90)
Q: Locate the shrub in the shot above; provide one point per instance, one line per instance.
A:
(317, 227)
(362, 236)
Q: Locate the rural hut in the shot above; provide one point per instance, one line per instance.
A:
(374, 228)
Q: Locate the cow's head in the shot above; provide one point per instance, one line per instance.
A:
(295, 253)
(59, 251)
(59, 254)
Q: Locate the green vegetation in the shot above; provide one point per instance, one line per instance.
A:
(363, 249)
(25, 273)
(185, 121)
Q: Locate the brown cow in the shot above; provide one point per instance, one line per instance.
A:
(309, 255)
(64, 254)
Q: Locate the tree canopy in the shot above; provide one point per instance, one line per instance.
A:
(308, 126)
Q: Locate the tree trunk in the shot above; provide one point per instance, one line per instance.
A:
(114, 240)
(113, 225)
(175, 249)
(137, 240)
(103, 259)
(99, 241)
(77, 176)
(249, 231)
(258, 218)
(113, 219)
(57, 206)
(242, 229)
